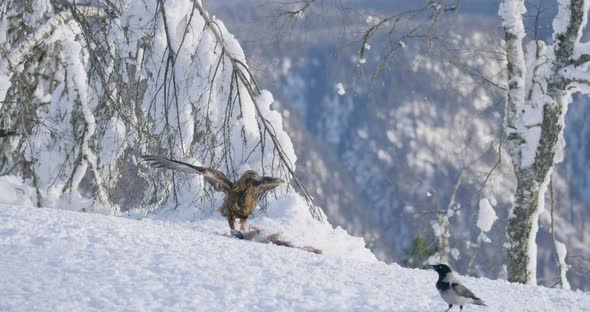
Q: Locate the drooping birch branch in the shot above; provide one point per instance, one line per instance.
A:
(247, 79)
(19, 53)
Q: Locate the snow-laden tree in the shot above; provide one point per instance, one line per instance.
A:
(541, 80)
(92, 85)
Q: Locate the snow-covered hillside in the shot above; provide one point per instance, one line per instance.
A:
(382, 161)
(56, 260)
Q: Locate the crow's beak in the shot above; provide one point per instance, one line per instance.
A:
(432, 266)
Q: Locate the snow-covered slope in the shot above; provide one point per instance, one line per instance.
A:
(382, 160)
(56, 260)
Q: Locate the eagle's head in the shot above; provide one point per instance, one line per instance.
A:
(250, 175)
(252, 178)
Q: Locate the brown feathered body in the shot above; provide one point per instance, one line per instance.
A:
(241, 200)
(241, 196)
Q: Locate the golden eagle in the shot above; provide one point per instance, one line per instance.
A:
(241, 196)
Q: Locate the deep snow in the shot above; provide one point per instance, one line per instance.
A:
(57, 260)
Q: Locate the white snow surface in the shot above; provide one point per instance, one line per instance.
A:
(58, 260)
(287, 215)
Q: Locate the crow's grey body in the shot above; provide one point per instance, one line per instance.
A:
(451, 289)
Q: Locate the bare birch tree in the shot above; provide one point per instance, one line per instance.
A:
(94, 84)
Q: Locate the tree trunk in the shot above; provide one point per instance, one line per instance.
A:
(529, 199)
(520, 225)
(540, 83)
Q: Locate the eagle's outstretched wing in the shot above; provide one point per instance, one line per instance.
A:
(265, 184)
(215, 177)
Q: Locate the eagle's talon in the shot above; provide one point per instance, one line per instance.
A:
(237, 234)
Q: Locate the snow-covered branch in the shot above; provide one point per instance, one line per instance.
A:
(577, 80)
(581, 57)
(558, 247)
(511, 13)
(582, 60)
(540, 82)
(98, 89)
(572, 16)
(21, 51)
(248, 81)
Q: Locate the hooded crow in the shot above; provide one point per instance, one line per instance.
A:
(241, 196)
(451, 290)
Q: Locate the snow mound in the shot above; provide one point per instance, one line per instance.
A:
(287, 215)
(57, 260)
(14, 192)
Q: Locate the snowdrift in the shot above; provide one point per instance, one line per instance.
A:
(57, 260)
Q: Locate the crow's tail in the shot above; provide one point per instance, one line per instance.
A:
(479, 302)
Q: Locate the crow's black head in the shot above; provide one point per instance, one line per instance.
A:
(441, 269)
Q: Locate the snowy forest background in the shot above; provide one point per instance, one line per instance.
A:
(386, 156)
(399, 152)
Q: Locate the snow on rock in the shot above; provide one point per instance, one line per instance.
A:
(4, 85)
(372, 20)
(383, 155)
(14, 192)
(561, 254)
(487, 215)
(340, 88)
(57, 260)
(391, 136)
(363, 133)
